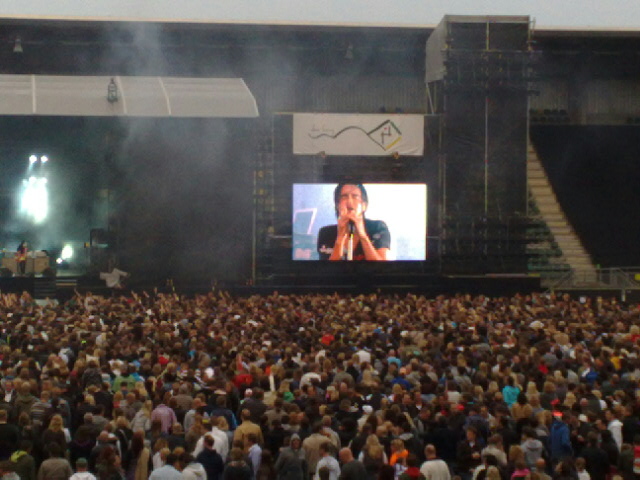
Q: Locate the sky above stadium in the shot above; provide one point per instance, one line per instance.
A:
(598, 14)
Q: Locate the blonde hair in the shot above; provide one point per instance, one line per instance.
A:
(516, 454)
(375, 452)
(372, 441)
(178, 451)
(570, 399)
(493, 473)
(397, 443)
(147, 407)
(56, 424)
(549, 387)
(164, 451)
(534, 400)
(223, 424)
(122, 422)
(478, 391)
(161, 444)
(544, 417)
(492, 387)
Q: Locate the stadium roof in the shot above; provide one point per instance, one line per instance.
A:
(342, 13)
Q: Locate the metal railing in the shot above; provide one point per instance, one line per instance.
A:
(619, 278)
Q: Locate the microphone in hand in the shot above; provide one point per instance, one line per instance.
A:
(352, 227)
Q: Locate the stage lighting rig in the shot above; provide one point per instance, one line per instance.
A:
(112, 91)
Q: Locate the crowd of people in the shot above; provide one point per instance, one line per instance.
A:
(294, 387)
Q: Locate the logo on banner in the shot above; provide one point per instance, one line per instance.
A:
(385, 135)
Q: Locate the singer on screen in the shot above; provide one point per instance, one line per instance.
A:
(354, 237)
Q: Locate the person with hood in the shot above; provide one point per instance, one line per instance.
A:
(560, 438)
(25, 464)
(531, 446)
(291, 460)
(193, 469)
(82, 471)
(24, 400)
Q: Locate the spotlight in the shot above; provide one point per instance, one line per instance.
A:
(44, 159)
(59, 261)
(67, 252)
(34, 201)
(33, 159)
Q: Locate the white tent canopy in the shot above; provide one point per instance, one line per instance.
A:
(137, 96)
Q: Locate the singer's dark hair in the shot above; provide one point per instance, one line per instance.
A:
(338, 191)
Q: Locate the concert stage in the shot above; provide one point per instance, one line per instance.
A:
(201, 201)
(62, 288)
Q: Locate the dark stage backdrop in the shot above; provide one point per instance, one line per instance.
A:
(185, 203)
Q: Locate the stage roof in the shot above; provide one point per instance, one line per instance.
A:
(136, 96)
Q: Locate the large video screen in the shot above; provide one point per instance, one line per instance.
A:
(370, 222)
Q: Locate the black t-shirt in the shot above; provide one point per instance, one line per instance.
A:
(377, 232)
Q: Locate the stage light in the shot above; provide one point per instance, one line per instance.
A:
(348, 54)
(32, 159)
(67, 252)
(17, 45)
(34, 201)
(44, 159)
(112, 91)
(59, 261)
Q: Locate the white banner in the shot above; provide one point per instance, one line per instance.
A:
(352, 134)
